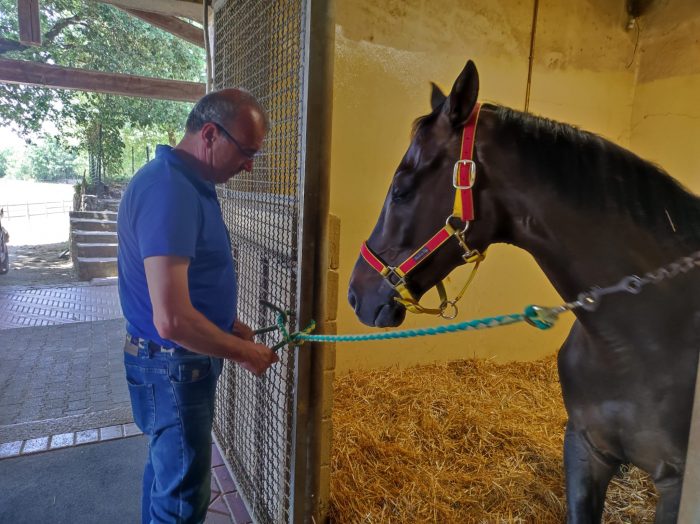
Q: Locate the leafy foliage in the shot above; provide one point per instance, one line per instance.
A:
(4, 162)
(49, 161)
(95, 36)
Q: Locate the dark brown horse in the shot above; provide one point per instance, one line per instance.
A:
(589, 212)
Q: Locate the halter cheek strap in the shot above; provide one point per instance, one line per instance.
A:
(463, 178)
(464, 173)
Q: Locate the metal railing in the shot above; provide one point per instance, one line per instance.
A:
(34, 209)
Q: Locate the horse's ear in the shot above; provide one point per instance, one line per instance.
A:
(437, 97)
(463, 96)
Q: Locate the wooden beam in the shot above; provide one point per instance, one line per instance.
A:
(190, 10)
(171, 24)
(29, 23)
(45, 75)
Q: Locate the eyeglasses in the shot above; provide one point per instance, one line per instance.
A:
(248, 153)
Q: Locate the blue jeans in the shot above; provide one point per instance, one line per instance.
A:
(172, 400)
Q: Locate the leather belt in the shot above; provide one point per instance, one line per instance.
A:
(133, 344)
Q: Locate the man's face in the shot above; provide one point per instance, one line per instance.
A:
(237, 145)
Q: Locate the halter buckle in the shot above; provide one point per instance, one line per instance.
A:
(455, 174)
(391, 272)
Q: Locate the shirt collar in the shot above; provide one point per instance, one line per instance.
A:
(168, 154)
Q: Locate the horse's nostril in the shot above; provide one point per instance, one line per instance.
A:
(352, 299)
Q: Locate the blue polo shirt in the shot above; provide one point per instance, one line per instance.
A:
(168, 209)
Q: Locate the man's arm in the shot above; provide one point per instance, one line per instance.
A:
(176, 319)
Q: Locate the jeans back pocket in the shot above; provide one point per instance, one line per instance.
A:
(143, 405)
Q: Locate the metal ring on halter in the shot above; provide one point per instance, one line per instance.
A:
(466, 224)
(444, 307)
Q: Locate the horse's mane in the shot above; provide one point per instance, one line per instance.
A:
(594, 173)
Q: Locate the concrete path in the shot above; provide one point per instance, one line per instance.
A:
(65, 416)
(85, 484)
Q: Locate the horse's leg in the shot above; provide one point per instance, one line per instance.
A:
(587, 476)
(669, 499)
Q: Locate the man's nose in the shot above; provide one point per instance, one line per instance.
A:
(248, 165)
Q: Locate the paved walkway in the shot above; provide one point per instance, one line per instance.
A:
(49, 306)
(60, 372)
(66, 431)
(62, 378)
(90, 481)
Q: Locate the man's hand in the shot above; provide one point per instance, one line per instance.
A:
(243, 331)
(257, 357)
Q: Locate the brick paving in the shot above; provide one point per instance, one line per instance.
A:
(48, 306)
(62, 380)
(69, 371)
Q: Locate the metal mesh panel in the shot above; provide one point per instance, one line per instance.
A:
(259, 45)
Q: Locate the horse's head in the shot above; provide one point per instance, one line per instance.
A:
(419, 203)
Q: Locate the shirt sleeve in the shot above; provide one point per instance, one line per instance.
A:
(167, 219)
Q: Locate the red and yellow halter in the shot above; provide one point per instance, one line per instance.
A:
(463, 178)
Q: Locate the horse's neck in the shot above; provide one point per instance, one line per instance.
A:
(577, 245)
(578, 252)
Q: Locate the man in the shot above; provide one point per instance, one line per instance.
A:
(177, 287)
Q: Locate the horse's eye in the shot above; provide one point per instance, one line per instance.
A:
(402, 187)
(398, 196)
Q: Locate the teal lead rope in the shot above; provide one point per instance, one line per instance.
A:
(537, 316)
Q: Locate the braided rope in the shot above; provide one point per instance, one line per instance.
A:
(484, 323)
(536, 316)
(541, 318)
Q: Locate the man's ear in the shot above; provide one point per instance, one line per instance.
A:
(437, 97)
(462, 98)
(208, 133)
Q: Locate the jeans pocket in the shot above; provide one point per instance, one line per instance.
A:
(142, 405)
(187, 371)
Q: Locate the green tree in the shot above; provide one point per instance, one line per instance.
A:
(49, 161)
(91, 35)
(4, 162)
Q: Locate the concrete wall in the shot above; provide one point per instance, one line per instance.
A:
(665, 125)
(387, 51)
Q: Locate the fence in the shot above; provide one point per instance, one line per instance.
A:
(34, 209)
(267, 427)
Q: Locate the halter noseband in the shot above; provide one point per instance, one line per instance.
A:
(463, 178)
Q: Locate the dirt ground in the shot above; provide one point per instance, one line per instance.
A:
(39, 265)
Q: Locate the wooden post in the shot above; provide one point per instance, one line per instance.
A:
(47, 75)
(171, 24)
(29, 23)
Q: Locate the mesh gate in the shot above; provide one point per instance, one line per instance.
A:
(260, 45)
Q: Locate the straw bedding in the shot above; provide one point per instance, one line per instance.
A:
(465, 442)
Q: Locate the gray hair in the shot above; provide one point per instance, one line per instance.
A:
(218, 108)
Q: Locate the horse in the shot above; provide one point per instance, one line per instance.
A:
(589, 212)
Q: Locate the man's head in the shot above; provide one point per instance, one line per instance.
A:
(224, 131)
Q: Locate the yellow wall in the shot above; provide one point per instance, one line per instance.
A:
(387, 51)
(666, 114)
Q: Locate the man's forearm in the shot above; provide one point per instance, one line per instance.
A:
(195, 332)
